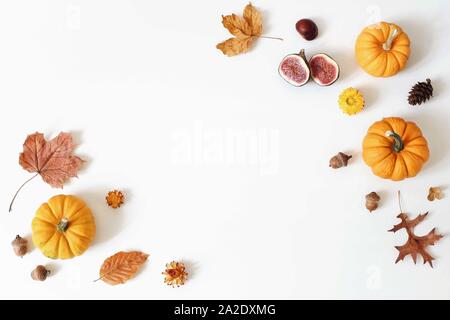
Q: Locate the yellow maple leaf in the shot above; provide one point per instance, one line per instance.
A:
(254, 19)
(244, 30)
(234, 46)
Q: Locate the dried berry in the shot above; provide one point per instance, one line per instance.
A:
(339, 160)
(175, 274)
(20, 246)
(115, 199)
(40, 273)
(372, 201)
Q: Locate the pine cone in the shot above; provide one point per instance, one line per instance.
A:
(420, 92)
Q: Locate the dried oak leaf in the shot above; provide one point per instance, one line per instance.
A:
(435, 193)
(243, 29)
(415, 244)
(122, 266)
(53, 160)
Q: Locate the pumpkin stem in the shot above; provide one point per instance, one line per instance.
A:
(398, 143)
(392, 35)
(63, 225)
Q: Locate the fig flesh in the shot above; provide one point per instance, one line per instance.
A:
(324, 70)
(294, 69)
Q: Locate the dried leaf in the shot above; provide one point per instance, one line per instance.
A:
(244, 29)
(234, 46)
(435, 193)
(53, 160)
(254, 19)
(237, 26)
(415, 244)
(122, 266)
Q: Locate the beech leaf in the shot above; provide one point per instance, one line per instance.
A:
(121, 267)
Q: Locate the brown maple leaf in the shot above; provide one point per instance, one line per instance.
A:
(415, 245)
(53, 160)
(121, 267)
(244, 30)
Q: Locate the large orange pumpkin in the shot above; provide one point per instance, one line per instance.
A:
(382, 49)
(395, 149)
(63, 228)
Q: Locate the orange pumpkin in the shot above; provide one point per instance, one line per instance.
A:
(382, 49)
(63, 228)
(395, 149)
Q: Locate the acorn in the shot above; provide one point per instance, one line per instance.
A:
(372, 201)
(40, 273)
(20, 246)
(339, 160)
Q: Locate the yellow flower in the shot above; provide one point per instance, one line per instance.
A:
(351, 101)
(175, 274)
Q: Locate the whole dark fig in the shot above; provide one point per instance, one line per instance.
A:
(307, 29)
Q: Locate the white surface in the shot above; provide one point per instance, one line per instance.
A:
(154, 108)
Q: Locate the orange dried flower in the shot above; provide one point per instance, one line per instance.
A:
(175, 274)
(115, 199)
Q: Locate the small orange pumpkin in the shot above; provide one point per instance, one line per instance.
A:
(382, 49)
(395, 149)
(63, 228)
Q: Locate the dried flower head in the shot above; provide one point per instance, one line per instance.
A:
(115, 199)
(175, 274)
(435, 193)
(351, 101)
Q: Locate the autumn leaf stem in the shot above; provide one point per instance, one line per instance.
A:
(268, 37)
(103, 275)
(18, 190)
(399, 201)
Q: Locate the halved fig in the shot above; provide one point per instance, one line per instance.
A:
(324, 70)
(294, 69)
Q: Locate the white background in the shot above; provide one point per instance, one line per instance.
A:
(151, 103)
